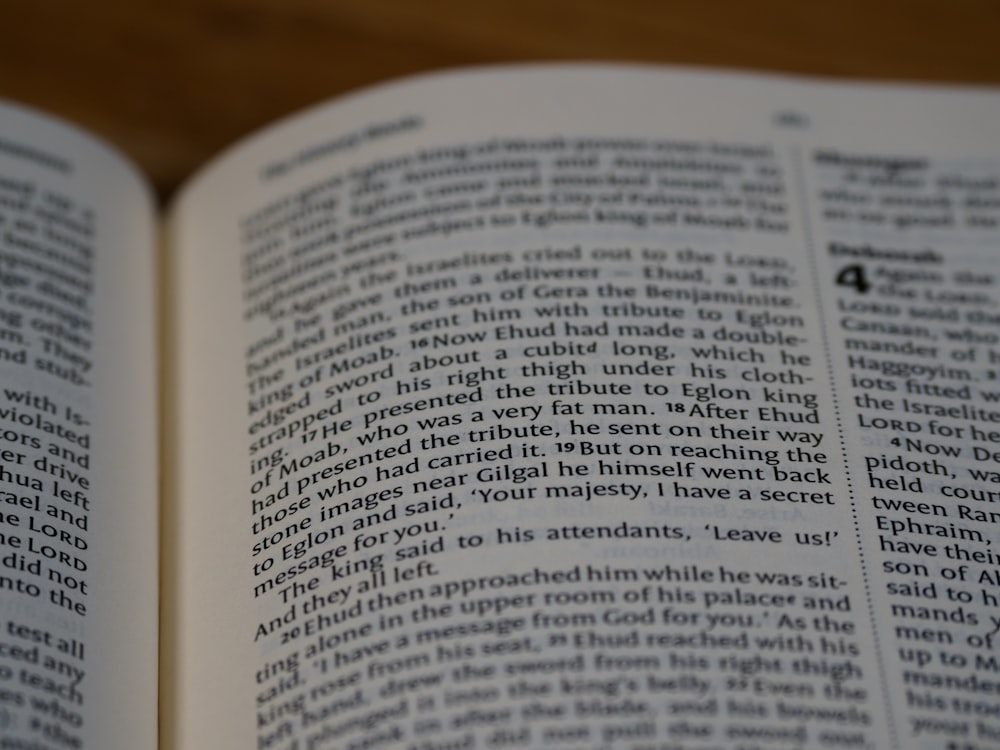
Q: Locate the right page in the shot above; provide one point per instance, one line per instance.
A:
(591, 407)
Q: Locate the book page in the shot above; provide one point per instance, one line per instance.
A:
(591, 407)
(78, 495)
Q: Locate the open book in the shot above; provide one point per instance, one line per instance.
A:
(566, 407)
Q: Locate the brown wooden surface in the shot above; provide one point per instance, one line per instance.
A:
(172, 83)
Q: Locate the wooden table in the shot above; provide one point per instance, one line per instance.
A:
(172, 83)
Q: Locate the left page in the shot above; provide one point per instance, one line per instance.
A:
(78, 502)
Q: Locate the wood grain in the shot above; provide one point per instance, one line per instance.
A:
(172, 83)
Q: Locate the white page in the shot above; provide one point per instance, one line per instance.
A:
(79, 605)
(784, 139)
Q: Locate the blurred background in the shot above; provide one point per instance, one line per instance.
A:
(171, 84)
